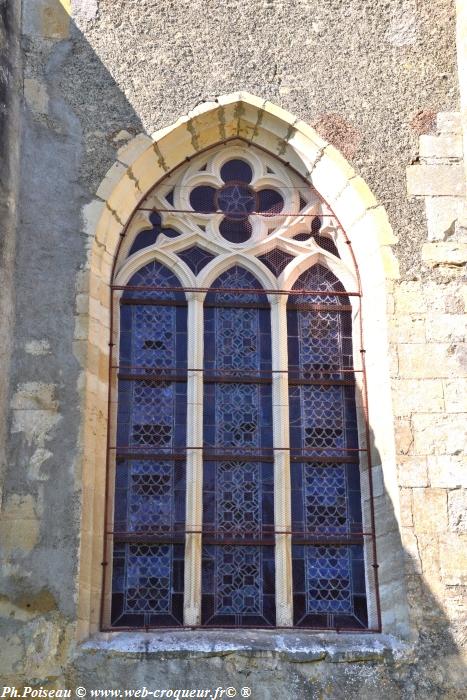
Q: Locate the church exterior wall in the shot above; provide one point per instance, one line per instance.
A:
(380, 84)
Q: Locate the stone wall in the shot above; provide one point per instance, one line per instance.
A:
(371, 77)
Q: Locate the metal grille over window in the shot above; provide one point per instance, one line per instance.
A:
(238, 567)
(149, 520)
(238, 435)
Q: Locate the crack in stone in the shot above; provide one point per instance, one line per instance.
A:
(160, 158)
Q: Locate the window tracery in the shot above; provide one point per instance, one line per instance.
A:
(233, 322)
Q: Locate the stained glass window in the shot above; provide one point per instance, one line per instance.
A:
(238, 568)
(234, 453)
(150, 489)
(327, 550)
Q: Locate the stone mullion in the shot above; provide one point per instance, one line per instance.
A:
(194, 463)
(281, 441)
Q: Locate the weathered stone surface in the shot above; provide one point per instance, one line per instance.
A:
(457, 510)
(408, 329)
(445, 146)
(417, 395)
(417, 360)
(130, 67)
(446, 327)
(412, 471)
(441, 216)
(449, 122)
(435, 180)
(406, 507)
(446, 253)
(455, 395)
(453, 559)
(430, 513)
(410, 299)
(447, 471)
(439, 434)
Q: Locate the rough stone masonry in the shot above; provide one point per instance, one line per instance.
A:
(80, 80)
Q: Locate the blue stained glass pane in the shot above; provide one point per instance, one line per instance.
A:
(319, 279)
(235, 230)
(237, 407)
(236, 170)
(143, 240)
(196, 258)
(270, 202)
(150, 493)
(238, 580)
(154, 336)
(154, 274)
(236, 201)
(325, 495)
(328, 574)
(238, 499)
(237, 339)
(236, 285)
(150, 497)
(325, 498)
(202, 199)
(148, 578)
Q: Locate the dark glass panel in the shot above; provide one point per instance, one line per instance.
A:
(270, 202)
(202, 199)
(235, 231)
(143, 240)
(196, 258)
(276, 260)
(148, 586)
(236, 170)
(236, 200)
(238, 585)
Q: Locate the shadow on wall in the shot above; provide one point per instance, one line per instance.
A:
(74, 120)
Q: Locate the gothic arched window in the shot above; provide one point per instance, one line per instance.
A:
(236, 450)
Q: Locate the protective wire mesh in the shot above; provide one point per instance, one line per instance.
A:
(328, 539)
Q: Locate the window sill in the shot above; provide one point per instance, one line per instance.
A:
(292, 646)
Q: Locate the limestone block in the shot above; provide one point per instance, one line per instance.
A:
(430, 180)
(453, 559)
(447, 471)
(36, 95)
(329, 177)
(449, 122)
(411, 552)
(112, 177)
(432, 360)
(403, 436)
(407, 329)
(439, 434)
(406, 507)
(446, 327)
(428, 546)
(412, 471)
(457, 510)
(417, 395)
(430, 511)
(444, 146)
(455, 395)
(47, 18)
(441, 216)
(19, 523)
(409, 298)
(446, 253)
(133, 149)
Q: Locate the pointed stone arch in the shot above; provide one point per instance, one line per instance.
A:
(142, 164)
